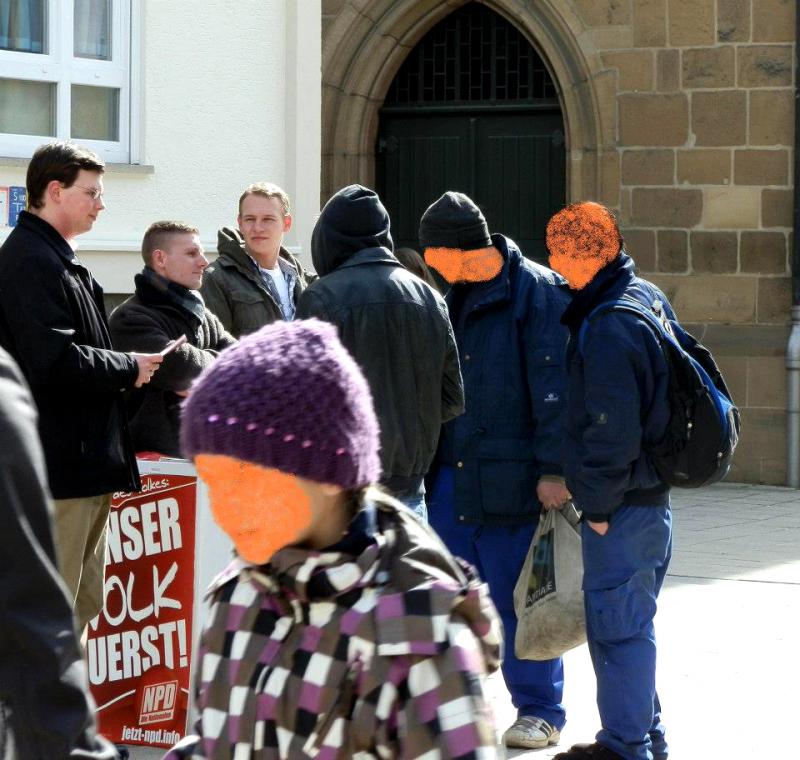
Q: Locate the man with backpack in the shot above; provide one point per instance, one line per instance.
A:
(618, 406)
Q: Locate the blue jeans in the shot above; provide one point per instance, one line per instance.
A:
(498, 552)
(622, 575)
(415, 503)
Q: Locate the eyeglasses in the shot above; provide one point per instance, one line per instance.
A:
(95, 193)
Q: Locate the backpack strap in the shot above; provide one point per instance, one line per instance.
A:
(653, 316)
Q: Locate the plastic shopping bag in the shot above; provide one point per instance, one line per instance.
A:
(548, 598)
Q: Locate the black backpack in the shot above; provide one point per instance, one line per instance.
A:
(703, 427)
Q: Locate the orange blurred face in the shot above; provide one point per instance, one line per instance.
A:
(455, 265)
(581, 239)
(261, 509)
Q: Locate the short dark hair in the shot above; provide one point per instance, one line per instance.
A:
(415, 264)
(159, 232)
(60, 161)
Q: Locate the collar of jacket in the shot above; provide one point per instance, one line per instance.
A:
(607, 285)
(402, 562)
(232, 254)
(154, 289)
(370, 256)
(311, 575)
(36, 224)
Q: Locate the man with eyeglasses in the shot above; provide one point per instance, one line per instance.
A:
(53, 323)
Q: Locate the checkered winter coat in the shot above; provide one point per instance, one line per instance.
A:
(378, 654)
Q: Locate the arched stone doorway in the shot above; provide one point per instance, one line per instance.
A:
(473, 108)
(368, 40)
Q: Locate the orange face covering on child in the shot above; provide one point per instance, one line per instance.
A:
(581, 239)
(261, 509)
(455, 265)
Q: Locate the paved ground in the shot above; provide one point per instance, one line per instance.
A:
(728, 623)
(729, 665)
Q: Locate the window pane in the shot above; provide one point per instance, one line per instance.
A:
(92, 29)
(27, 108)
(22, 25)
(95, 113)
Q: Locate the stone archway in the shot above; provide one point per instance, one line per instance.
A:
(369, 40)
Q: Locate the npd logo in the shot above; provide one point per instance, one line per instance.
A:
(158, 703)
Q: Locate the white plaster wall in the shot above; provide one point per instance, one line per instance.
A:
(230, 94)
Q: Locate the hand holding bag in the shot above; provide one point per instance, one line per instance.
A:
(548, 597)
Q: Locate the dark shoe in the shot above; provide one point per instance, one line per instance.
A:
(657, 739)
(589, 752)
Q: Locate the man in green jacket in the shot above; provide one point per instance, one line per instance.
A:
(255, 280)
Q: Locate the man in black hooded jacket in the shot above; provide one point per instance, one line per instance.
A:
(397, 329)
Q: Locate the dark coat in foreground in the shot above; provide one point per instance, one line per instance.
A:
(44, 710)
(53, 323)
(148, 321)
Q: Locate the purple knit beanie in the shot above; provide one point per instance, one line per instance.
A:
(289, 397)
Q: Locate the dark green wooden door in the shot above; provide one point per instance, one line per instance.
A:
(511, 164)
(473, 108)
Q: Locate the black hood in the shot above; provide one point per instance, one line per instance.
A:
(352, 220)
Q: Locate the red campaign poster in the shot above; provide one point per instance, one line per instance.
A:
(139, 647)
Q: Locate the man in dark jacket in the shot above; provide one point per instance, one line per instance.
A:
(255, 280)
(44, 708)
(53, 323)
(397, 329)
(499, 464)
(617, 405)
(164, 307)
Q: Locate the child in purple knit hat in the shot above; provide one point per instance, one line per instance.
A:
(343, 627)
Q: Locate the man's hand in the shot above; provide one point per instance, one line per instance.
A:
(148, 364)
(552, 494)
(598, 527)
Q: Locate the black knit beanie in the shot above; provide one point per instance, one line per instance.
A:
(454, 221)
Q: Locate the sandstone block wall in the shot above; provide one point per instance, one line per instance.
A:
(705, 147)
(695, 104)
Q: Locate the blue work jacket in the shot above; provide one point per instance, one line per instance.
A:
(617, 396)
(512, 349)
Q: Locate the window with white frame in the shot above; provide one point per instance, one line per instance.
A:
(65, 72)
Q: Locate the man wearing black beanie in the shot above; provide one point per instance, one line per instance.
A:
(397, 329)
(499, 464)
